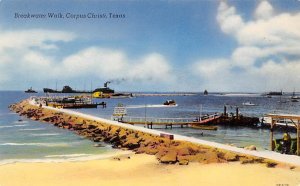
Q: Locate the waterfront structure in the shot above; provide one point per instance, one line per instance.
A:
(295, 120)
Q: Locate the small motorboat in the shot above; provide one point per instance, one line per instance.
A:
(170, 102)
(248, 103)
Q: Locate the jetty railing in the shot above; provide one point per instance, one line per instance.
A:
(157, 120)
(164, 121)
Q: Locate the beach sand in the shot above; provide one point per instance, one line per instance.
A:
(141, 169)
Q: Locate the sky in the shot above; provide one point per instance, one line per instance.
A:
(165, 45)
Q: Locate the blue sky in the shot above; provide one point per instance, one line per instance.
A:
(158, 46)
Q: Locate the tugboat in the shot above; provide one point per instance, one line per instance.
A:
(170, 102)
(30, 90)
(105, 89)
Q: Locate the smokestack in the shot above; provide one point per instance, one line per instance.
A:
(105, 84)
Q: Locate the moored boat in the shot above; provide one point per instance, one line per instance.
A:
(281, 122)
(294, 98)
(248, 103)
(70, 102)
(205, 92)
(30, 90)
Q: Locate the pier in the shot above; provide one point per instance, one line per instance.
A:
(169, 122)
(70, 102)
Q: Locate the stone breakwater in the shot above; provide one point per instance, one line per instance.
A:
(166, 150)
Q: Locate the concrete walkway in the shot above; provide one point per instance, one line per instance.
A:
(290, 159)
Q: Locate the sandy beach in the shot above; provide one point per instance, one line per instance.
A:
(141, 169)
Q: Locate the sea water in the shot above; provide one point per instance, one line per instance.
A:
(22, 139)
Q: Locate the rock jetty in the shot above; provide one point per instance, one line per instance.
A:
(166, 150)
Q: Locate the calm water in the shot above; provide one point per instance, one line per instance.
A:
(31, 140)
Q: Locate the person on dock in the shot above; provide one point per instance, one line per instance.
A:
(286, 143)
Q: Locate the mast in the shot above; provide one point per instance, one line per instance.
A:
(293, 93)
(91, 86)
(200, 112)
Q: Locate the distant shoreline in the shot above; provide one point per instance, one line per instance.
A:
(164, 94)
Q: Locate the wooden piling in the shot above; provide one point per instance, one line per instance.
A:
(298, 138)
(272, 134)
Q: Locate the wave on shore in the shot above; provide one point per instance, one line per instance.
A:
(36, 144)
(33, 129)
(23, 125)
(45, 134)
(5, 126)
(67, 158)
(67, 155)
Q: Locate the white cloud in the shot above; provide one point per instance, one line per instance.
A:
(217, 70)
(114, 64)
(22, 54)
(229, 21)
(43, 39)
(152, 67)
(283, 29)
(94, 61)
(264, 10)
(31, 56)
(211, 68)
(268, 52)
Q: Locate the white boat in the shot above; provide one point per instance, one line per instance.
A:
(282, 122)
(294, 98)
(248, 103)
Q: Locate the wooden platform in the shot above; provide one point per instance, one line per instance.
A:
(171, 122)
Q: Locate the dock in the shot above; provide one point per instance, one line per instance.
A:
(67, 102)
(149, 122)
(77, 105)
